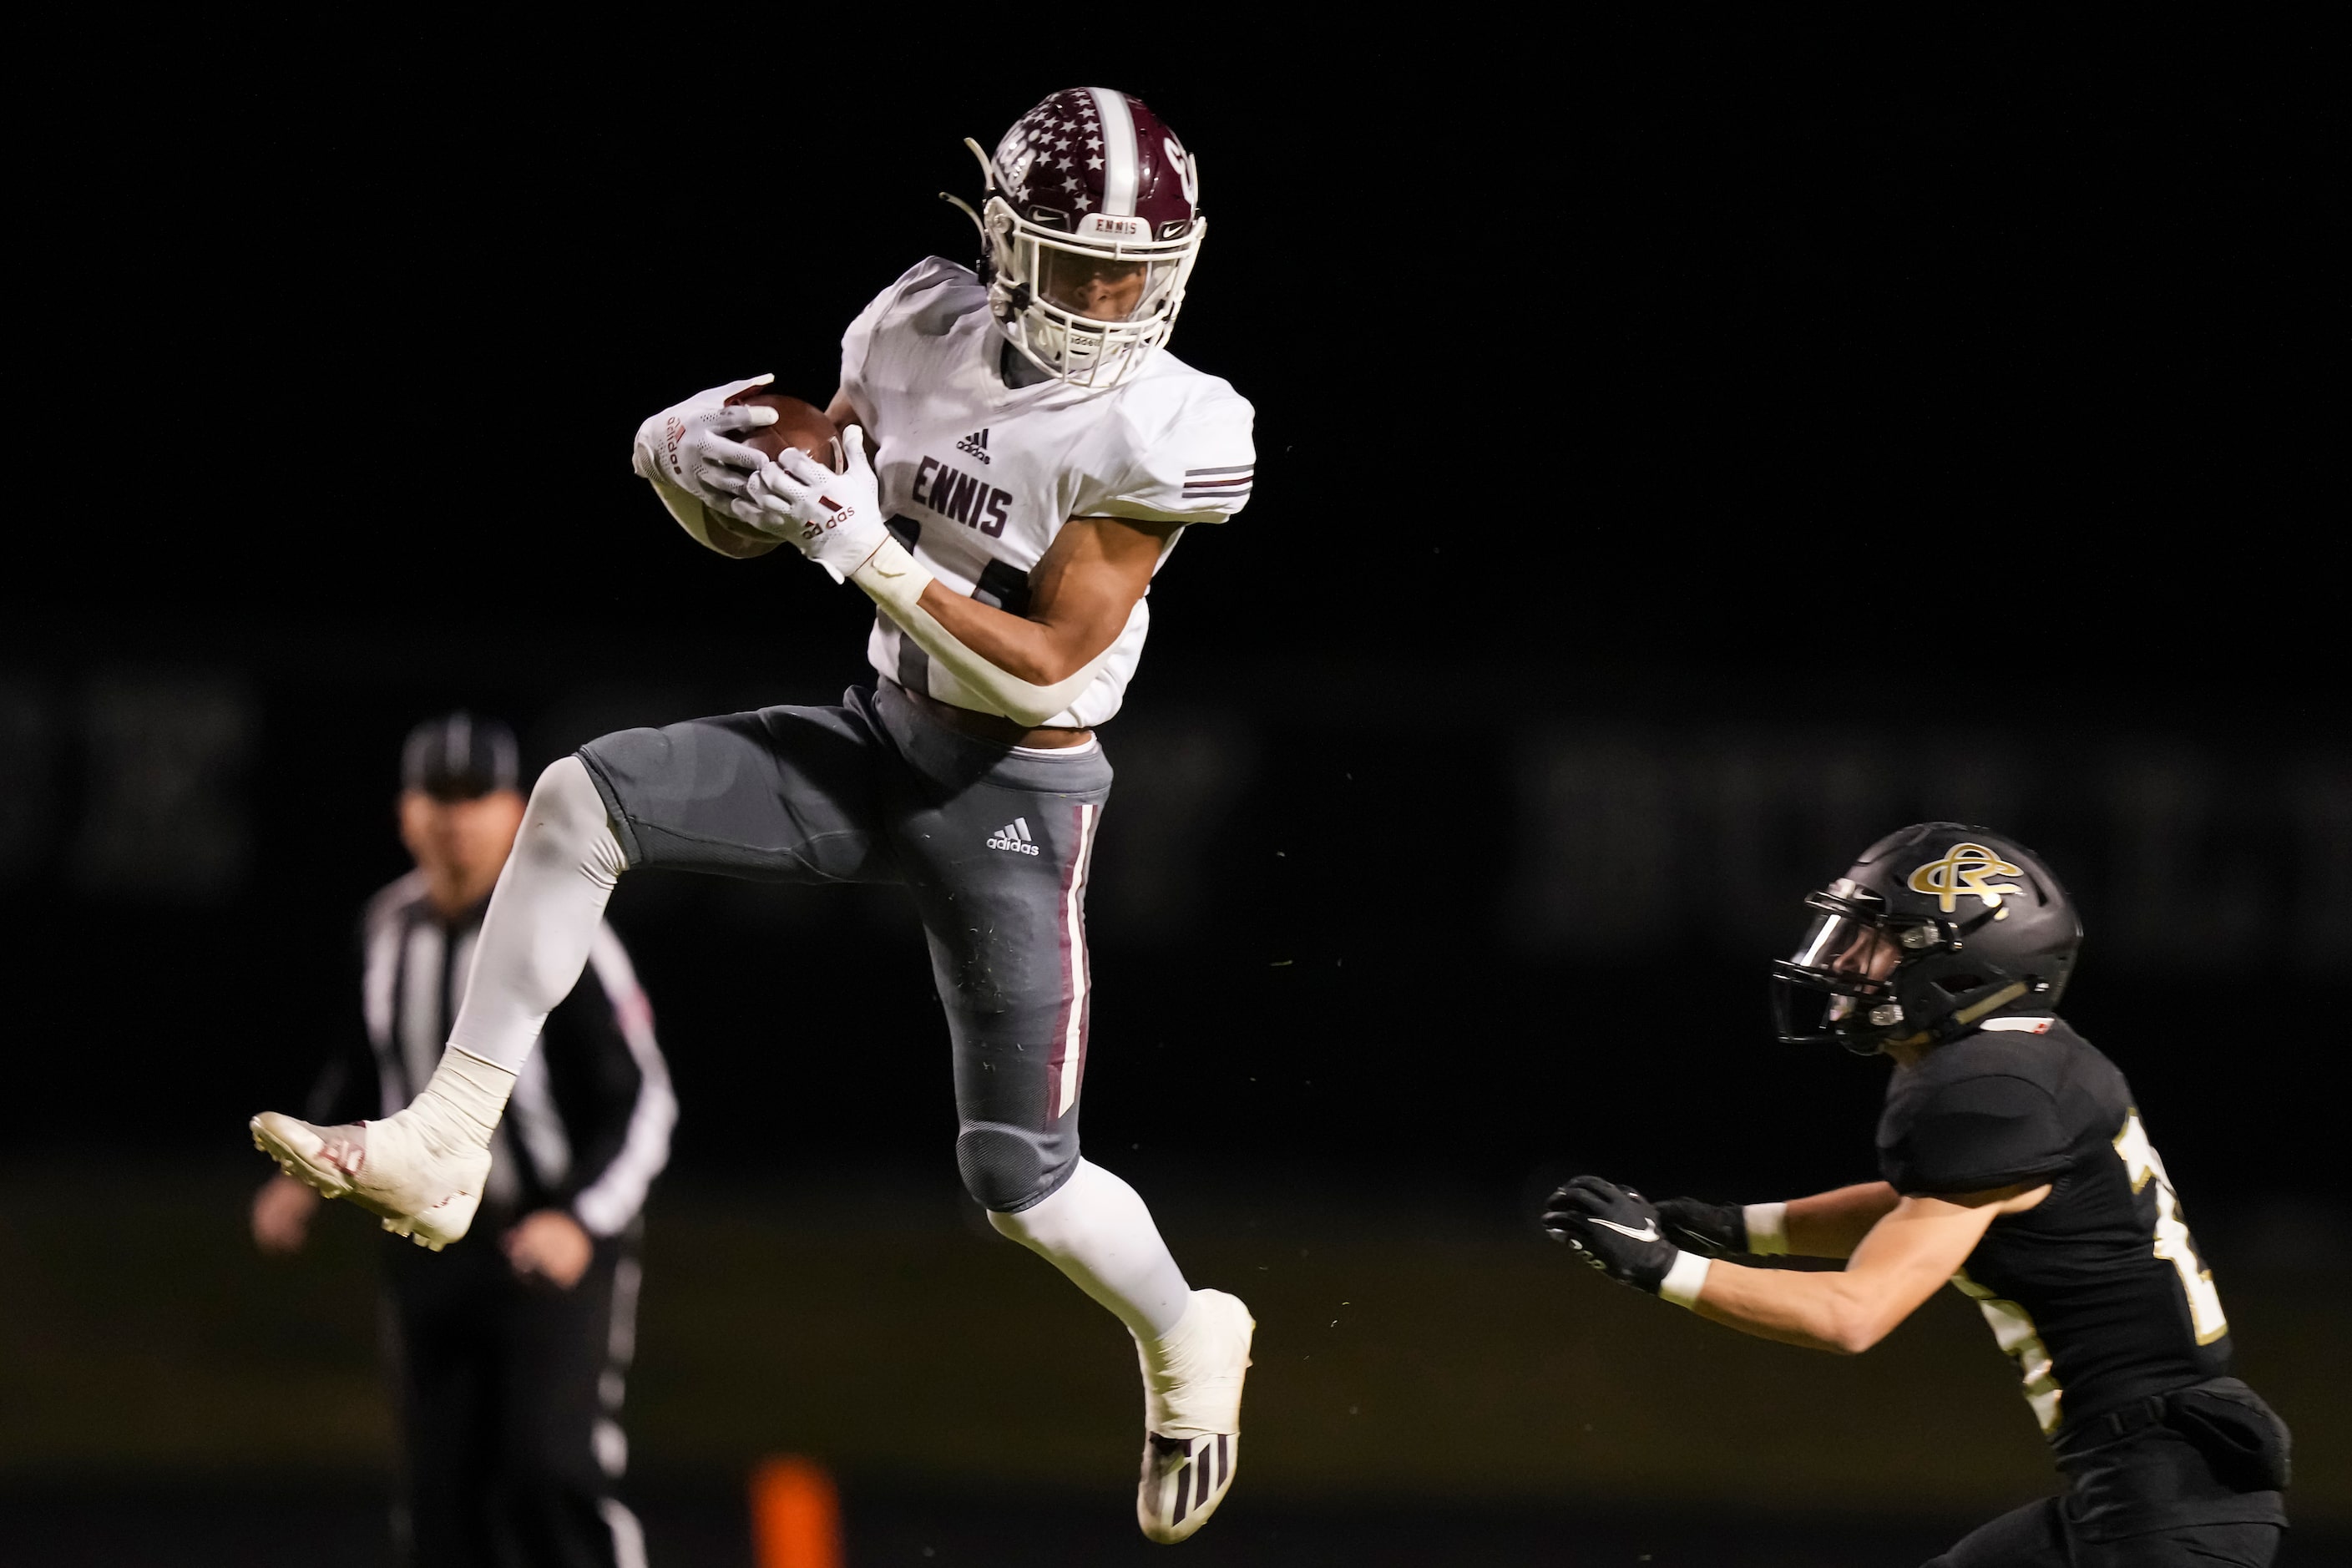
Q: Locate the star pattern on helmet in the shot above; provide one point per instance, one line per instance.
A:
(1062, 136)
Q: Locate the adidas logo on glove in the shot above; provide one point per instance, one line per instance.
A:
(1013, 835)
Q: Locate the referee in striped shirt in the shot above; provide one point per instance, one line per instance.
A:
(510, 1349)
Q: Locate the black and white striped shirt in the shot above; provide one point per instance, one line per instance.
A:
(589, 1125)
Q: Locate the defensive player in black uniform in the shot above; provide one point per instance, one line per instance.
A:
(2016, 1165)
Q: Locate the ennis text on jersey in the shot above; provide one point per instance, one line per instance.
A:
(979, 475)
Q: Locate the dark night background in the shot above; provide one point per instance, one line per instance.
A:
(1683, 457)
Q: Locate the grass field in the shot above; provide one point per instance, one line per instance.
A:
(1431, 1364)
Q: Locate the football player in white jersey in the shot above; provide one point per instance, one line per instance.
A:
(1021, 453)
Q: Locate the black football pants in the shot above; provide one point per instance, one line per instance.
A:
(2036, 1536)
(501, 1388)
(2177, 1479)
(2141, 1494)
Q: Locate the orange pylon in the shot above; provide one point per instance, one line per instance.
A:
(795, 1515)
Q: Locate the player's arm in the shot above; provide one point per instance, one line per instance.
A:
(1916, 1246)
(1080, 596)
(1029, 666)
(1833, 1224)
(1827, 1224)
(1912, 1248)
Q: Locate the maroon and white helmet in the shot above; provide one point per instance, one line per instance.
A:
(1091, 226)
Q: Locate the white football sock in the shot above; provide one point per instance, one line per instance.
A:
(1096, 1230)
(542, 916)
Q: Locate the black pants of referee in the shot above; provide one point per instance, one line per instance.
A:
(508, 1393)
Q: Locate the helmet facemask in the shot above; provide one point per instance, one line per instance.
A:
(1089, 224)
(1841, 985)
(1057, 296)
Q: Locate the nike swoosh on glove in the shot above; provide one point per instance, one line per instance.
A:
(1711, 1230)
(834, 519)
(1613, 1228)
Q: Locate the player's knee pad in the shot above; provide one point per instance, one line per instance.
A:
(1008, 1169)
(566, 823)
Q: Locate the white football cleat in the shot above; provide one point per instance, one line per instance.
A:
(1192, 1415)
(422, 1189)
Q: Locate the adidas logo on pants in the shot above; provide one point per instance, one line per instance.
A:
(1013, 835)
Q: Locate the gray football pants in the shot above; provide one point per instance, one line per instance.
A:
(993, 845)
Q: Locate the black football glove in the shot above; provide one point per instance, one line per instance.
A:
(1613, 1228)
(1711, 1230)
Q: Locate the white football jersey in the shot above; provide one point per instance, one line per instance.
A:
(978, 478)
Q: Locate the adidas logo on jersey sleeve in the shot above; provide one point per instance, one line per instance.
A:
(1014, 837)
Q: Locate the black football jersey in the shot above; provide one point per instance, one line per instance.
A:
(2098, 1292)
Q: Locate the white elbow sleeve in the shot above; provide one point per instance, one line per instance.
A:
(892, 579)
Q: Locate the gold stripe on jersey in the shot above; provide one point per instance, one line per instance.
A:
(2172, 1241)
(2013, 1329)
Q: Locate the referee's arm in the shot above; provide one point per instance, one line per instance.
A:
(347, 1090)
(613, 1087)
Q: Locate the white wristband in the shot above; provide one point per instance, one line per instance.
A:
(892, 579)
(1686, 1280)
(1767, 1229)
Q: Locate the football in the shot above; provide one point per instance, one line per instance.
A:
(798, 423)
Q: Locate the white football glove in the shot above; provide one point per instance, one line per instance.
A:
(836, 520)
(691, 445)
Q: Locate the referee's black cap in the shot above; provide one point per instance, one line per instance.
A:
(458, 756)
